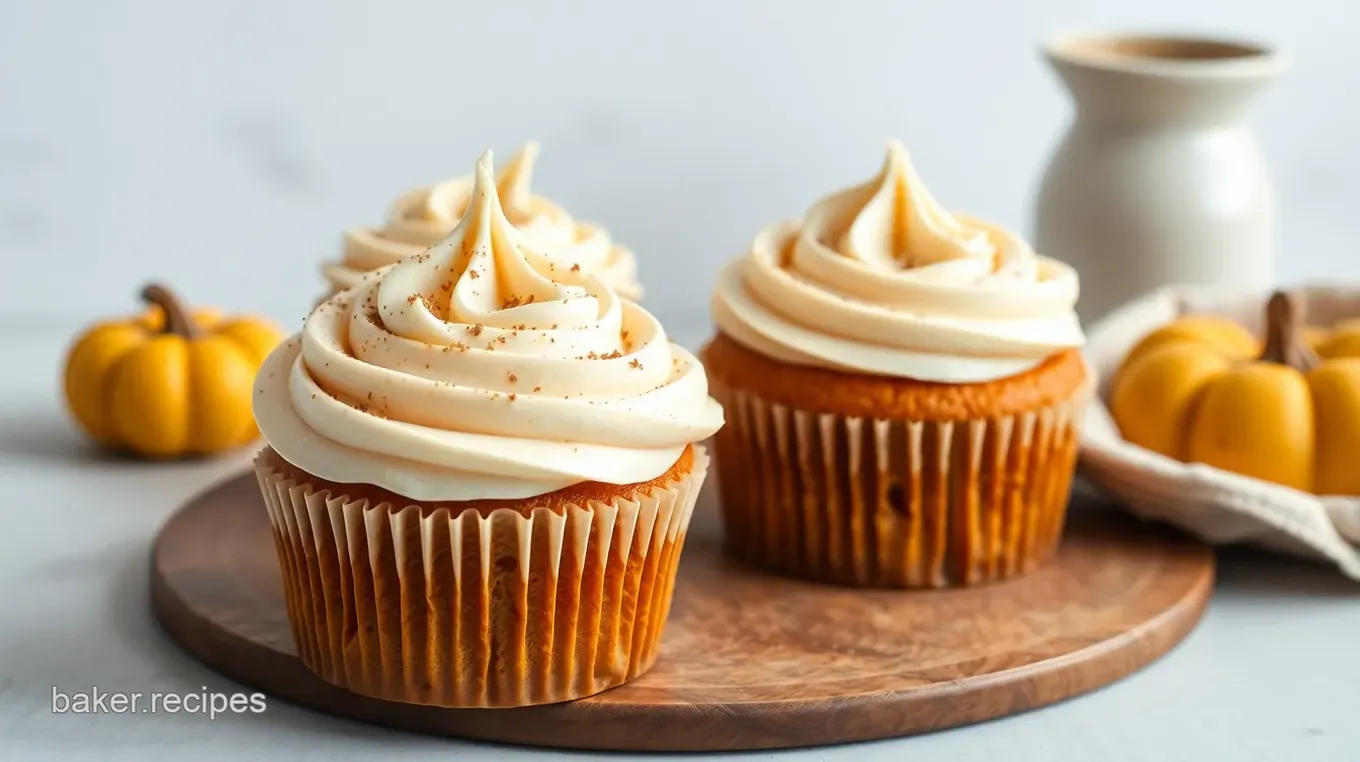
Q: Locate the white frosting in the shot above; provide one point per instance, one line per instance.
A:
(421, 218)
(880, 279)
(482, 368)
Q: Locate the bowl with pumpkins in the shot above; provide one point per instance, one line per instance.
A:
(1234, 416)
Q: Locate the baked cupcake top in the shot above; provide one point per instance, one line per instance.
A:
(879, 279)
(482, 368)
(422, 217)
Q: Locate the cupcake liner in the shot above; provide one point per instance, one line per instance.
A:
(894, 503)
(473, 610)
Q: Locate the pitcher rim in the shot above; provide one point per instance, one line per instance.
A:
(1222, 56)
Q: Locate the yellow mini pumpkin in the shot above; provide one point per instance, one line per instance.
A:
(1341, 340)
(1202, 390)
(165, 384)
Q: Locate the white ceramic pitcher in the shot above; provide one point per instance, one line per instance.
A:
(1159, 180)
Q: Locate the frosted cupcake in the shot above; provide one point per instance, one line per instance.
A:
(480, 470)
(422, 217)
(903, 388)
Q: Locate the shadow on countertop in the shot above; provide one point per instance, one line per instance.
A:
(1243, 570)
(1264, 576)
(45, 435)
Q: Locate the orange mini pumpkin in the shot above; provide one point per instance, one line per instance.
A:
(166, 384)
(1202, 390)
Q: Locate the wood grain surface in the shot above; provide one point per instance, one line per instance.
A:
(749, 660)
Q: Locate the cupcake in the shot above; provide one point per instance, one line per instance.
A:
(422, 217)
(904, 387)
(480, 467)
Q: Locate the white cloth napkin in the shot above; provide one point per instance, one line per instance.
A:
(1217, 506)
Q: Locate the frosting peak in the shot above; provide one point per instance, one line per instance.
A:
(482, 368)
(900, 226)
(448, 201)
(879, 278)
(514, 184)
(423, 217)
(482, 275)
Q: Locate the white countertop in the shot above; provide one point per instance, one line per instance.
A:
(1272, 673)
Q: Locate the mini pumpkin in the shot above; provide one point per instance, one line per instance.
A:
(1341, 340)
(1202, 390)
(167, 384)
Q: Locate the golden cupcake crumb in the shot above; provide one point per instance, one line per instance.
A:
(852, 394)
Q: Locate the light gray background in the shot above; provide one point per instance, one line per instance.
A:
(196, 141)
(224, 145)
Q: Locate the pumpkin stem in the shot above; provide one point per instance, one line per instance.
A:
(177, 320)
(1283, 342)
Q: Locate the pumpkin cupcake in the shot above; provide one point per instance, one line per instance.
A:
(480, 469)
(422, 217)
(905, 388)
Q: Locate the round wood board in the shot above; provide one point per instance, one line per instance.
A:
(749, 660)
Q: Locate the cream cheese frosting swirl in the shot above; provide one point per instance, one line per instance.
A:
(482, 368)
(880, 279)
(422, 217)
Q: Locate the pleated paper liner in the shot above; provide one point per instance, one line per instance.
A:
(894, 503)
(472, 610)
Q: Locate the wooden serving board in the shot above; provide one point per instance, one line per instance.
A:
(749, 660)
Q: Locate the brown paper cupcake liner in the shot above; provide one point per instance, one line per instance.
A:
(894, 503)
(472, 610)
